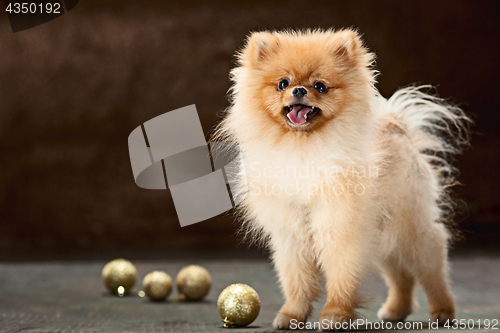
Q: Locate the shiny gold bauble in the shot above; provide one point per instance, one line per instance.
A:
(157, 285)
(238, 305)
(119, 276)
(193, 283)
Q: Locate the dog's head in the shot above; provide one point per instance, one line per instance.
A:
(302, 80)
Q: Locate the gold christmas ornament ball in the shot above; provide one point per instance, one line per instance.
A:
(119, 276)
(193, 283)
(157, 285)
(238, 305)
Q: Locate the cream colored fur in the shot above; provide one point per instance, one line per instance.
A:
(388, 221)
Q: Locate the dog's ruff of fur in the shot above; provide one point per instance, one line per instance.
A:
(394, 225)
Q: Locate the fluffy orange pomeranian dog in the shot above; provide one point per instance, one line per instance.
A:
(338, 180)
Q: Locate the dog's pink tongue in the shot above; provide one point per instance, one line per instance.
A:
(297, 114)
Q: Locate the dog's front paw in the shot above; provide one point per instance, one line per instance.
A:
(283, 321)
(335, 320)
(388, 315)
(442, 317)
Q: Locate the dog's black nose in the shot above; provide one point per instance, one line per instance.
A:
(299, 92)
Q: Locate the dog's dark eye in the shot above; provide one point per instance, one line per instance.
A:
(283, 84)
(320, 87)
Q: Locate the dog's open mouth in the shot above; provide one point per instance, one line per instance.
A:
(299, 114)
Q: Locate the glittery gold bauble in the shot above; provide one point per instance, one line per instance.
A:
(238, 305)
(119, 276)
(193, 283)
(157, 285)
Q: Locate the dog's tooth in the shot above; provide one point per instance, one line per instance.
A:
(312, 109)
(305, 116)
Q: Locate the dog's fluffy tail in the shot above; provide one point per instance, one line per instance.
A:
(433, 124)
(439, 131)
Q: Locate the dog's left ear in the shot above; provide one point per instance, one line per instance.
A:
(347, 45)
(259, 47)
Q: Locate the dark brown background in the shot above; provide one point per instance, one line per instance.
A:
(73, 89)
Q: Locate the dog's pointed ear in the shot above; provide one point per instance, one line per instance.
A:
(258, 48)
(346, 44)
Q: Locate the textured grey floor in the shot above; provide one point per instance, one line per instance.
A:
(70, 297)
